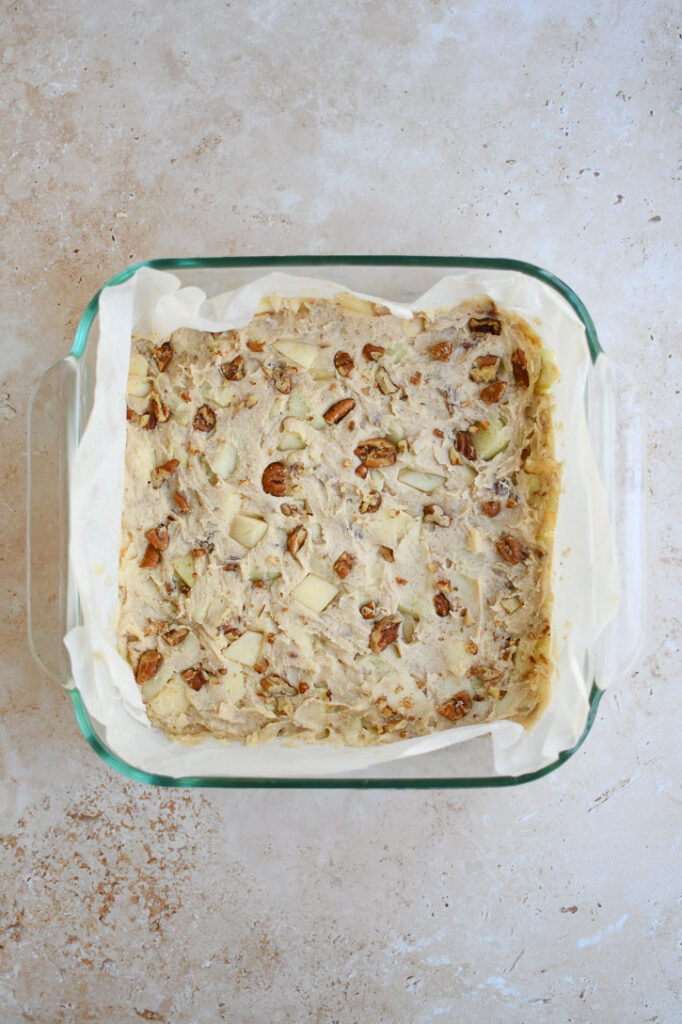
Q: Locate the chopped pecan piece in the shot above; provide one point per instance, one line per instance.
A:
(231, 566)
(159, 537)
(163, 355)
(255, 346)
(148, 665)
(384, 382)
(205, 419)
(235, 369)
(130, 414)
(484, 325)
(338, 410)
(303, 687)
(377, 451)
(181, 501)
(151, 557)
(361, 471)
(442, 605)
(368, 611)
(276, 685)
(194, 677)
(282, 381)
(296, 539)
(148, 421)
(370, 502)
(484, 369)
(486, 673)
(493, 392)
(510, 549)
(157, 408)
(385, 632)
(520, 367)
(457, 707)
(441, 351)
(176, 635)
(464, 444)
(344, 564)
(434, 514)
(373, 352)
(274, 479)
(386, 553)
(343, 362)
(416, 378)
(164, 472)
(490, 508)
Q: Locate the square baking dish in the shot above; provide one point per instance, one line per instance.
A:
(59, 412)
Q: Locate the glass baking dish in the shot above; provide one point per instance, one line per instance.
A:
(59, 411)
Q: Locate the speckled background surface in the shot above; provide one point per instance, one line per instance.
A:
(547, 132)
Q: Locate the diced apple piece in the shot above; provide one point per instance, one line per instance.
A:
(266, 575)
(224, 460)
(245, 648)
(290, 442)
(314, 593)
(138, 365)
(426, 482)
(394, 431)
(355, 303)
(182, 411)
(171, 700)
(298, 351)
(298, 407)
(492, 441)
(549, 372)
(247, 530)
(183, 566)
(139, 387)
(221, 396)
(510, 604)
(153, 686)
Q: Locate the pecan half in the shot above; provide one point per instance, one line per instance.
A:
(434, 514)
(181, 501)
(490, 508)
(281, 380)
(373, 352)
(368, 611)
(338, 410)
(164, 472)
(441, 351)
(484, 369)
(442, 605)
(343, 363)
(510, 549)
(370, 502)
(386, 553)
(344, 564)
(176, 635)
(385, 632)
(151, 557)
(520, 367)
(484, 325)
(457, 707)
(384, 382)
(235, 369)
(375, 452)
(194, 677)
(296, 539)
(205, 419)
(159, 537)
(493, 392)
(274, 479)
(464, 444)
(148, 665)
(163, 355)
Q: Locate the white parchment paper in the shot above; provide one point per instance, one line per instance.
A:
(585, 574)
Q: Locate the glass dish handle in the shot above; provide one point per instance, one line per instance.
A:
(52, 436)
(617, 428)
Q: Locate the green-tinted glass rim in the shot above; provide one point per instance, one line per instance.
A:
(474, 782)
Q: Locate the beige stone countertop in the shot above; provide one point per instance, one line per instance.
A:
(545, 132)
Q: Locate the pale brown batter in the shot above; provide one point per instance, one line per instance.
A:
(338, 523)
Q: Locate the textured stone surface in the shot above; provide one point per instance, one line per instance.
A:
(546, 132)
